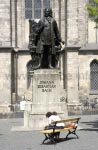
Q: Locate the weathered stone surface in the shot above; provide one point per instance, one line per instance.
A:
(23, 60)
(47, 96)
(72, 76)
(5, 80)
(5, 77)
(85, 59)
(5, 23)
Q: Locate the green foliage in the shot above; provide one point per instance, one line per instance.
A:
(95, 1)
(93, 11)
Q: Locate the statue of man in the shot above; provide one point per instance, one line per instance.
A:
(49, 36)
(47, 41)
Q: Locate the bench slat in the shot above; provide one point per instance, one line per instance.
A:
(66, 120)
(56, 130)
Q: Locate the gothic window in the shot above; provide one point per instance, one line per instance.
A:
(94, 76)
(37, 9)
(34, 8)
(28, 9)
(46, 4)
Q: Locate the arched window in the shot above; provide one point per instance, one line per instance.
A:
(94, 76)
(34, 8)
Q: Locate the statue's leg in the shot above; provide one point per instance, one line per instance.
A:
(39, 61)
(50, 61)
(50, 58)
(57, 60)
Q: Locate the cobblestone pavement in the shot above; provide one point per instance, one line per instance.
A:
(31, 140)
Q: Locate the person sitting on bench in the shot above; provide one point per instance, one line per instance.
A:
(54, 117)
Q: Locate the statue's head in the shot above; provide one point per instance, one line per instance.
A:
(48, 12)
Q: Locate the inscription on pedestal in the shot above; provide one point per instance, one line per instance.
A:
(46, 86)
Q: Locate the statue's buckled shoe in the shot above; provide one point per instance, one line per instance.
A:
(37, 67)
(50, 66)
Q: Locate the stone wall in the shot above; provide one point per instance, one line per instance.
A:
(23, 59)
(5, 78)
(18, 23)
(77, 22)
(5, 22)
(82, 22)
(8, 27)
(21, 23)
(85, 58)
(72, 75)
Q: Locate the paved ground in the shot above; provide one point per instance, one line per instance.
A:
(31, 140)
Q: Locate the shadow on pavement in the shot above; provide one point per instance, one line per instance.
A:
(59, 141)
(90, 125)
(88, 129)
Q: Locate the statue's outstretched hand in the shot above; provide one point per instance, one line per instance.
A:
(63, 42)
(62, 45)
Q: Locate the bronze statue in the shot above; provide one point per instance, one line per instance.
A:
(45, 41)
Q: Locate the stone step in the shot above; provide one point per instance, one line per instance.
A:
(83, 112)
(11, 115)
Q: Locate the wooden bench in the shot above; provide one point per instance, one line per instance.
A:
(50, 133)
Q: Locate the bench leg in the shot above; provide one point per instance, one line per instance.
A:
(50, 137)
(75, 134)
(46, 138)
(72, 132)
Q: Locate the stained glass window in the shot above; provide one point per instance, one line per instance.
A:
(34, 8)
(28, 9)
(37, 9)
(46, 4)
(94, 75)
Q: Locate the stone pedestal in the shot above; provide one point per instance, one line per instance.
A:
(47, 95)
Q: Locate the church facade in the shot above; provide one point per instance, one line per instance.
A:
(78, 63)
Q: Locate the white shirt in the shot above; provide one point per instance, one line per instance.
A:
(22, 105)
(55, 118)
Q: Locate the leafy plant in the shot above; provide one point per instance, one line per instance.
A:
(93, 11)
